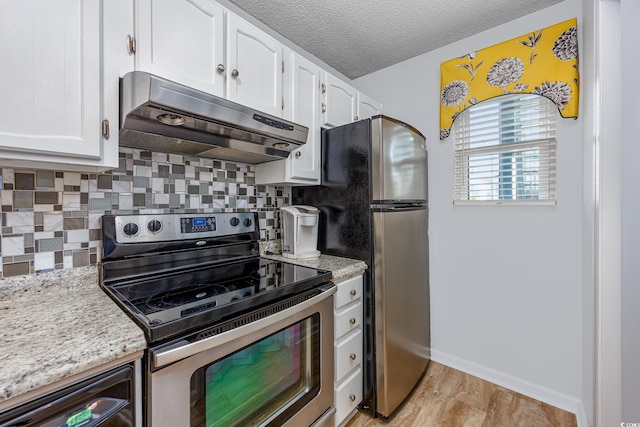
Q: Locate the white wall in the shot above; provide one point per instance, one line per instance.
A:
(630, 15)
(589, 119)
(513, 313)
(608, 303)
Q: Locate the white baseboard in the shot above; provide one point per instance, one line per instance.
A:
(543, 394)
(581, 416)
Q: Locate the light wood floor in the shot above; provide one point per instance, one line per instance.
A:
(446, 397)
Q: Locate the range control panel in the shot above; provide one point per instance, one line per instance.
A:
(198, 225)
(167, 227)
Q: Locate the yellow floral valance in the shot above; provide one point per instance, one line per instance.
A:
(544, 62)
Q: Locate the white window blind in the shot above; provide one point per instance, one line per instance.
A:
(505, 150)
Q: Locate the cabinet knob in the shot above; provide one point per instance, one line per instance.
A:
(298, 154)
(352, 356)
(353, 292)
(356, 118)
(221, 68)
(235, 73)
(324, 108)
(324, 88)
(352, 397)
(352, 320)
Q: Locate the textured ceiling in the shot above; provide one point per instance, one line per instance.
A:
(358, 37)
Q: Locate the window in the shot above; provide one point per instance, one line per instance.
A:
(505, 150)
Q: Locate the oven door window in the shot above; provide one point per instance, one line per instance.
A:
(264, 383)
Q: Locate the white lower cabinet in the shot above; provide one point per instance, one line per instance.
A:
(349, 319)
(348, 349)
(348, 354)
(348, 396)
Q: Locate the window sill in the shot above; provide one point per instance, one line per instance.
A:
(504, 202)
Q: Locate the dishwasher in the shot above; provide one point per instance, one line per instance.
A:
(106, 400)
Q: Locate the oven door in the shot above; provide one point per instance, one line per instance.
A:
(276, 371)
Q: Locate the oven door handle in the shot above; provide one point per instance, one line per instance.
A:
(183, 349)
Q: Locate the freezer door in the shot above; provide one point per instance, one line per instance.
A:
(399, 161)
(402, 317)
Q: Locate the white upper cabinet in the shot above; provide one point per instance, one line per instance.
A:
(302, 105)
(63, 60)
(182, 41)
(343, 104)
(254, 67)
(305, 102)
(367, 107)
(340, 102)
(51, 111)
(313, 98)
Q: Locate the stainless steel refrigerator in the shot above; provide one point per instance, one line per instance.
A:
(373, 207)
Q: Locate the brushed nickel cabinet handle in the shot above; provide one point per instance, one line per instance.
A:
(131, 45)
(324, 88)
(352, 397)
(352, 356)
(353, 292)
(221, 68)
(352, 320)
(324, 108)
(356, 118)
(235, 73)
(298, 154)
(105, 129)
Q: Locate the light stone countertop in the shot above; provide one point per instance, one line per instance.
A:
(61, 324)
(57, 325)
(341, 268)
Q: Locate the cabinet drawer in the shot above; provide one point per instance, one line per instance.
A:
(347, 320)
(348, 291)
(348, 395)
(348, 355)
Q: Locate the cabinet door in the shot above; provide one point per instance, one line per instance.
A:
(183, 41)
(301, 90)
(339, 106)
(367, 107)
(117, 28)
(305, 104)
(255, 66)
(348, 395)
(50, 104)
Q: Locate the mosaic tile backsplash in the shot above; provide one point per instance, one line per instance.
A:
(51, 219)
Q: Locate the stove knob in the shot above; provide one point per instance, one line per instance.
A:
(130, 229)
(247, 222)
(234, 221)
(154, 226)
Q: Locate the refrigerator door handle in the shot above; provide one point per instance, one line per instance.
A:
(392, 208)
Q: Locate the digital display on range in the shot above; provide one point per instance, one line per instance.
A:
(197, 225)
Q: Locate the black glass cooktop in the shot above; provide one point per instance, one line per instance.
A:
(182, 301)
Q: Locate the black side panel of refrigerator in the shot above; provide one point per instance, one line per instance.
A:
(344, 196)
(345, 222)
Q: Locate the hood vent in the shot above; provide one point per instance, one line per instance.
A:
(160, 115)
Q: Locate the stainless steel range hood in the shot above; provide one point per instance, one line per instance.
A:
(160, 115)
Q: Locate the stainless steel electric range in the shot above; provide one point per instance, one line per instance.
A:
(233, 338)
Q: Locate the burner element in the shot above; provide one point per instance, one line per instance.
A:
(175, 298)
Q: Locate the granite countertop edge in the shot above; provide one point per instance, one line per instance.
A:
(56, 325)
(341, 268)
